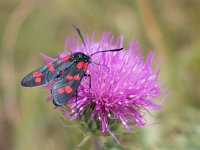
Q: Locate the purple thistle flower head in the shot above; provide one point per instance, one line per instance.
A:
(123, 85)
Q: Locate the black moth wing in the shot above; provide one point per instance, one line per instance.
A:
(68, 83)
(47, 73)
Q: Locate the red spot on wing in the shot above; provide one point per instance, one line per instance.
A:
(65, 58)
(68, 77)
(60, 90)
(49, 65)
(80, 65)
(76, 77)
(68, 89)
(85, 66)
(38, 80)
(51, 68)
(37, 74)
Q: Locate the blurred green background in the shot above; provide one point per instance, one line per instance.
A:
(29, 27)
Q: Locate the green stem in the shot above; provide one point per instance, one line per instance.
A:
(86, 138)
(97, 143)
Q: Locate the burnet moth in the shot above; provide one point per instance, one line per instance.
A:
(67, 72)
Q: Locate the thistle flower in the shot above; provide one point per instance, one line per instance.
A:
(123, 86)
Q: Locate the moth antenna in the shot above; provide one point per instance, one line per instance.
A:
(79, 33)
(110, 50)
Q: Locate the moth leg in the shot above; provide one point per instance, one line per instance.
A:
(76, 101)
(90, 82)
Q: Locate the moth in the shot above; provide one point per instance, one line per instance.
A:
(67, 73)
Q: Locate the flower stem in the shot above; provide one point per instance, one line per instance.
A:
(84, 141)
(97, 143)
